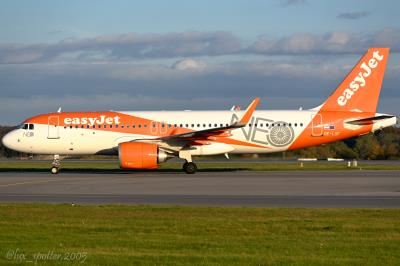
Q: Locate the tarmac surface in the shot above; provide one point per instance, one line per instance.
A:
(326, 189)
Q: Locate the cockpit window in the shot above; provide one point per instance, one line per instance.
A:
(25, 126)
(31, 127)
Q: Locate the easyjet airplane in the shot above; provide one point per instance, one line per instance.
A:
(143, 140)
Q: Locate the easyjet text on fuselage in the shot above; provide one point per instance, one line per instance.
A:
(100, 120)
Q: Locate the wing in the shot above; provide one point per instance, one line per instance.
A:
(206, 133)
(218, 131)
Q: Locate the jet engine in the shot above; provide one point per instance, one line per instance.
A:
(140, 155)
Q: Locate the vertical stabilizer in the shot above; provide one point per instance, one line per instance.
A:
(360, 90)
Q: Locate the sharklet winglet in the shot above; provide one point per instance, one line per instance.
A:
(249, 112)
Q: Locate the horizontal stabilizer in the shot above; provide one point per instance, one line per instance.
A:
(369, 120)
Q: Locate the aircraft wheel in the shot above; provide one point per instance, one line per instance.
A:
(54, 170)
(190, 168)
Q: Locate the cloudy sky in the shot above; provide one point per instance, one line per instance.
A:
(171, 55)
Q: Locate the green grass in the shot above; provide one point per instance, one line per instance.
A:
(146, 235)
(113, 166)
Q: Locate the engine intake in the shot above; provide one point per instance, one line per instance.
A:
(140, 155)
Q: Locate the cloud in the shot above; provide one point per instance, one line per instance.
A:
(282, 82)
(55, 32)
(125, 47)
(338, 42)
(195, 70)
(189, 64)
(293, 2)
(353, 15)
(133, 47)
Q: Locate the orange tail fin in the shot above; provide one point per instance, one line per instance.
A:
(360, 90)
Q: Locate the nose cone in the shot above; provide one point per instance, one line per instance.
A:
(9, 140)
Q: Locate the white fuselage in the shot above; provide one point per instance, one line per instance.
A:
(266, 132)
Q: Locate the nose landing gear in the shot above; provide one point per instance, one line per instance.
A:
(55, 169)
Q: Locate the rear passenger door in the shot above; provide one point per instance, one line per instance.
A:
(317, 129)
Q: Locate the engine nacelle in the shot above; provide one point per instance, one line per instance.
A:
(140, 155)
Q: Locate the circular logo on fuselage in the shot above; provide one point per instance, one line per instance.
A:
(280, 134)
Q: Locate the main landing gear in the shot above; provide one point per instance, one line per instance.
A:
(55, 169)
(189, 167)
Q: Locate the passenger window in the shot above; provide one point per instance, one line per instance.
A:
(301, 124)
(31, 127)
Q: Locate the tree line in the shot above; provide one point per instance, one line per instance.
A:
(381, 146)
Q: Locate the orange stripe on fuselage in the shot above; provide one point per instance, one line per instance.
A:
(110, 122)
(100, 119)
(340, 131)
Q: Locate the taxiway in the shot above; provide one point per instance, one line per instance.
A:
(236, 188)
